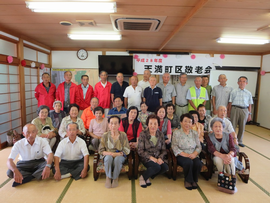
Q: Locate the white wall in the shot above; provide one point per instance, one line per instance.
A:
(263, 111)
(241, 60)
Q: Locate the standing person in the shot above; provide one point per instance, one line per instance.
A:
(168, 90)
(84, 94)
(45, 92)
(66, 91)
(221, 94)
(119, 87)
(181, 93)
(133, 94)
(239, 111)
(145, 82)
(205, 81)
(152, 95)
(118, 109)
(196, 95)
(103, 92)
(31, 164)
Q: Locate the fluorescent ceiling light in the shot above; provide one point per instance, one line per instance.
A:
(242, 41)
(72, 7)
(94, 37)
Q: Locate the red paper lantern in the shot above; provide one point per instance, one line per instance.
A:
(42, 66)
(9, 59)
(23, 63)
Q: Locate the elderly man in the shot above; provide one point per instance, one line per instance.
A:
(66, 91)
(31, 164)
(196, 95)
(88, 113)
(145, 82)
(45, 92)
(103, 92)
(133, 94)
(118, 109)
(205, 81)
(152, 95)
(73, 154)
(84, 94)
(119, 87)
(181, 92)
(168, 90)
(221, 93)
(222, 113)
(239, 110)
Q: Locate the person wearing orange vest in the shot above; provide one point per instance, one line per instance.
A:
(196, 95)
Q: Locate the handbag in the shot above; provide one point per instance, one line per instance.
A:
(226, 182)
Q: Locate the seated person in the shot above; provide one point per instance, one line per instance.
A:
(118, 109)
(74, 156)
(221, 145)
(31, 164)
(175, 123)
(197, 126)
(131, 126)
(73, 117)
(152, 151)
(114, 148)
(88, 113)
(44, 125)
(222, 113)
(165, 125)
(57, 114)
(98, 126)
(203, 118)
(186, 147)
(143, 114)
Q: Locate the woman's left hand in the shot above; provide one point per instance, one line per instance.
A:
(192, 156)
(160, 161)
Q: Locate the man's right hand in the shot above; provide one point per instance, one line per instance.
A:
(17, 176)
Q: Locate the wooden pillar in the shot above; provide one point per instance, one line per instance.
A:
(22, 82)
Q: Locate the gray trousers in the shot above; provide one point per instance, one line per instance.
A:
(239, 117)
(180, 110)
(113, 166)
(95, 143)
(29, 168)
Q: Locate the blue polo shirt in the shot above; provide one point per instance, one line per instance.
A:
(118, 90)
(114, 111)
(152, 97)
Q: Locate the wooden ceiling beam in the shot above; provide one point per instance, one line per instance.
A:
(193, 11)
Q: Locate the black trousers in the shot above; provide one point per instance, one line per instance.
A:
(154, 169)
(192, 168)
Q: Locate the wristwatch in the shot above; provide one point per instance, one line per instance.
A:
(49, 165)
(249, 113)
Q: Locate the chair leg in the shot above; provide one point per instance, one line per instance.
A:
(244, 177)
(95, 162)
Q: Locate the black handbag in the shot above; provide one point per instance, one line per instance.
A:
(226, 182)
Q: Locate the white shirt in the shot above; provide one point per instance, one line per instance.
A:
(104, 85)
(134, 96)
(67, 150)
(144, 84)
(228, 125)
(27, 152)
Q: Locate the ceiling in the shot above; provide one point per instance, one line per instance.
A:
(190, 25)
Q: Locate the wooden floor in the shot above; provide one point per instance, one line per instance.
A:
(257, 148)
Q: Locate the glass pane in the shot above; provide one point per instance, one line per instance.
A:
(29, 110)
(27, 87)
(34, 71)
(18, 129)
(16, 123)
(5, 117)
(14, 88)
(15, 97)
(26, 71)
(34, 101)
(33, 86)
(3, 88)
(27, 79)
(15, 114)
(3, 68)
(14, 79)
(13, 70)
(28, 95)
(4, 98)
(29, 118)
(28, 102)
(34, 108)
(5, 127)
(34, 79)
(15, 106)
(4, 108)
(4, 79)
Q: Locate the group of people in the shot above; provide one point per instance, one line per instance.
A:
(145, 118)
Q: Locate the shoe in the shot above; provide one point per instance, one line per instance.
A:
(108, 183)
(142, 182)
(194, 185)
(241, 145)
(25, 180)
(115, 183)
(188, 185)
(148, 183)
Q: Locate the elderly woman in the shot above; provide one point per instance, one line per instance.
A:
(186, 147)
(131, 126)
(73, 117)
(98, 126)
(143, 114)
(164, 125)
(197, 126)
(152, 151)
(221, 145)
(57, 114)
(173, 118)
(114, 147)
(44, 125)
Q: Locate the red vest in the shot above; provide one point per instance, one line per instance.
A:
(84, 103)
(43, 97)
(60, 93)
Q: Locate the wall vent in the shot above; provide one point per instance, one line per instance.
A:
(86, 23)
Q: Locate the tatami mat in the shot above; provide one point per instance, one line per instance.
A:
(161, 190)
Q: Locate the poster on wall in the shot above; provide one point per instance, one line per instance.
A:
(57, 75)
(200, 64)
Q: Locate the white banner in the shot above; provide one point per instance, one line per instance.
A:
(200, 64)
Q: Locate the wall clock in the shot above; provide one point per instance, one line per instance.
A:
(82, 54)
